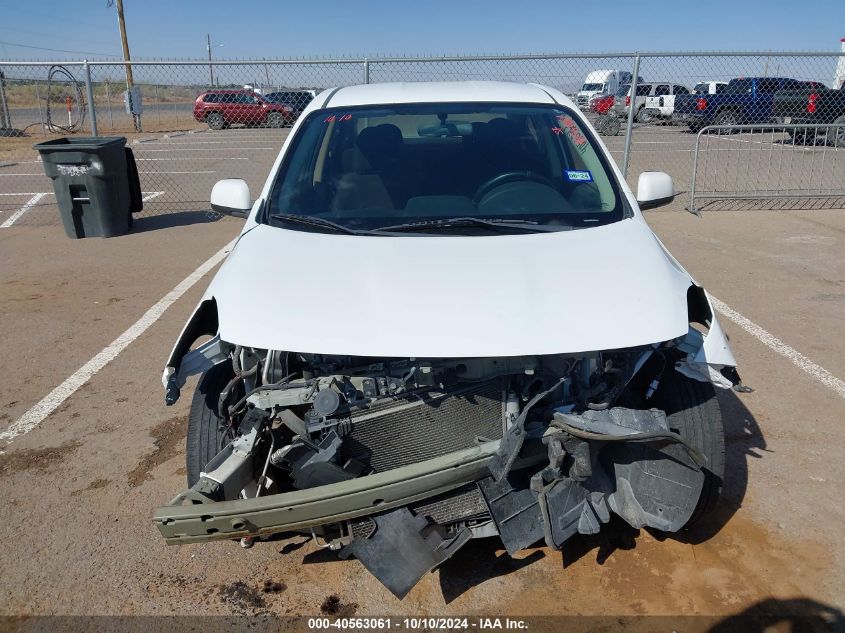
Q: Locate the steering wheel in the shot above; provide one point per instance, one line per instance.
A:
(509, 176)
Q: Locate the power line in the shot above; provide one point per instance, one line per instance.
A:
(58, 50)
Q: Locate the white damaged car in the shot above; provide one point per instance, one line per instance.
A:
(446, 318)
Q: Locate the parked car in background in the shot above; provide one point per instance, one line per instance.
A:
(661, 104)
(601, 103)
(296, 99)
(709, 87)
(812, 104)
(623, 102)
(744, 100)
(222, 108)
(607, 81)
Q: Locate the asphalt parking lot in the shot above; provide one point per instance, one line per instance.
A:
(79, 485)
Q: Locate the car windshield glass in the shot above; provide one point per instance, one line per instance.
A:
(369, 168)
(591, 87)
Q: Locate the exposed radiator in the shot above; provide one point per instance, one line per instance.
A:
(424, 425)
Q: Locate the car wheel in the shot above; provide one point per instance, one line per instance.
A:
(608, 125)
(727, 118)
(836, 135)
(215, 121)
(693, 412)
(275, 119)
(208, 431)
(644, 116)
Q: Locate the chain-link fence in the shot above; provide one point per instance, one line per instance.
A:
(192, 123)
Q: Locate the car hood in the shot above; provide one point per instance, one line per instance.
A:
(605, 287)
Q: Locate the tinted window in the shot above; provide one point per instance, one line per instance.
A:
(721, 88)
(739, 86)
(210, 98)
(367, 168)
(661, 90)
(623, 90)
(681, 90)
(643, 90)
(767, 86)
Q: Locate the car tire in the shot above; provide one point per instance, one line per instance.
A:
(836, 135)
(275, 119)
(207, 429)
(693, 412)
(644, 116)
(727, 118)
(215, 121)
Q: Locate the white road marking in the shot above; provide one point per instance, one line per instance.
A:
(27, 193)
(818, 373)
(211, 149)
(150, 195)
(209, 158)
(177, 172)
(17, 214)
(57, 396)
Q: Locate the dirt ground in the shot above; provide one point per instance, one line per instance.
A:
(78, 491)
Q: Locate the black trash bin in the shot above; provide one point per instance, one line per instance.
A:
(96, 184)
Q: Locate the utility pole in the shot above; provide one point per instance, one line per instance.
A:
(210, 67)
(136, 118)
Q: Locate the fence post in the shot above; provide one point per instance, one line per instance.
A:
(108, 101)
(89, 93)
(366, 70)
(5, 119)
(630, 127)
(40, 112)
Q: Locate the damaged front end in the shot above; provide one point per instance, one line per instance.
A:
(400, 461)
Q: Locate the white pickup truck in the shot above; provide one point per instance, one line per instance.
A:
(661, 104)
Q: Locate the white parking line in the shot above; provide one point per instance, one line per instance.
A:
(818, 373)
(209, 158)
(57, 396)
(26, 193)
(17, 214)
(177, 172)
(210, 149)
(150, 195)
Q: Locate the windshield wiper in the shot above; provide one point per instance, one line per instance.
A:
(309, 220)
(496, 223)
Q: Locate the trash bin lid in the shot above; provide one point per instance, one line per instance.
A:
(80, 144)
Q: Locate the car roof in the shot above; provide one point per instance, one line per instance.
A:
(435, 92)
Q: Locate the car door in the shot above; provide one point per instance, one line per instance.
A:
(761, 105)
(669, 100)
(660, 93)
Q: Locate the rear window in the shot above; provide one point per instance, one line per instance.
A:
(739, 86)
(662, 89)
(643, 90)
(371, 167)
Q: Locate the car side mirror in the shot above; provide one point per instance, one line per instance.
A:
(231, 197)
(654, 189)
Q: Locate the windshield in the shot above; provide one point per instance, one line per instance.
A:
(592, 87)
(367, 169)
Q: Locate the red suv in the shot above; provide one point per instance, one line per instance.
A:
(221, 108)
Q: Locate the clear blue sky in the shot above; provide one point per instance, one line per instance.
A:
(275, 29)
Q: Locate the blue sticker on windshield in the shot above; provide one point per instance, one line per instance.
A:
(578, 176)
